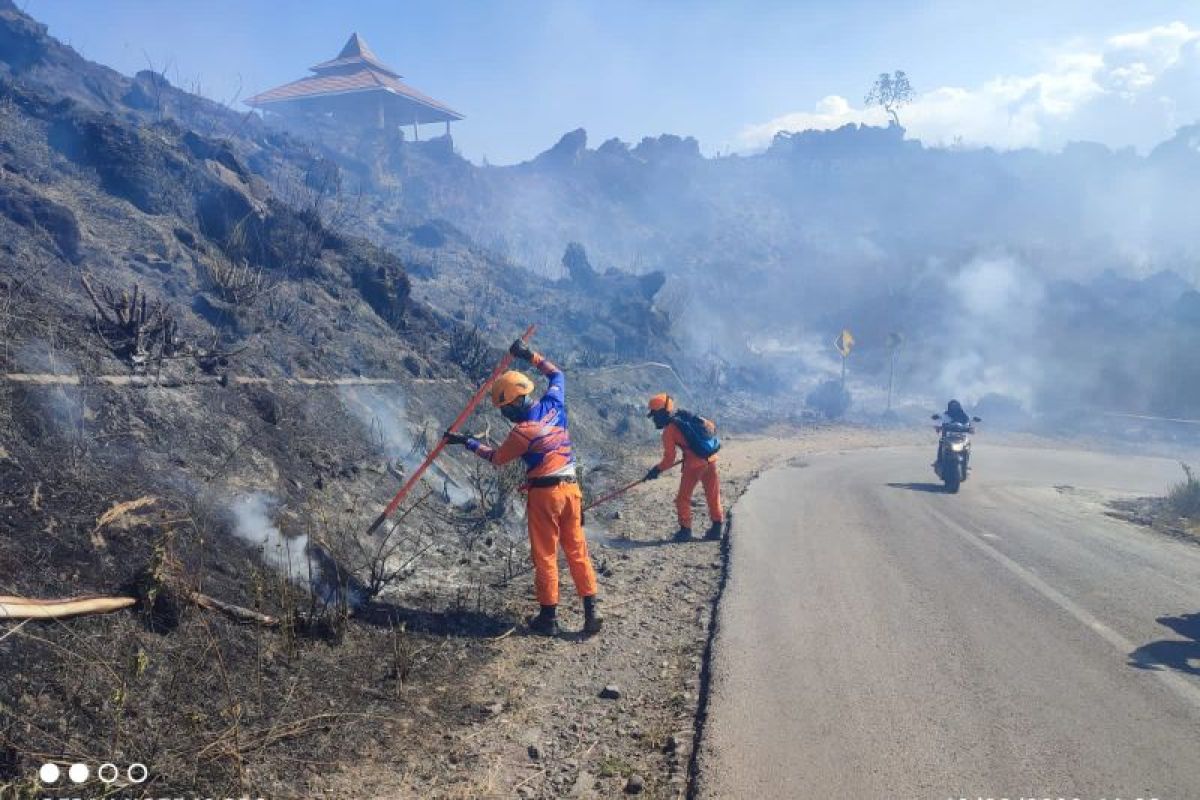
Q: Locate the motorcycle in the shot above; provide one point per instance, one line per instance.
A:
(954, 452)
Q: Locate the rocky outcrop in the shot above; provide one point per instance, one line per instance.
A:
(47, 219)
(569, 150)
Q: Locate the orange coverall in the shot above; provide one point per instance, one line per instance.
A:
(695, 470)
(554, 514)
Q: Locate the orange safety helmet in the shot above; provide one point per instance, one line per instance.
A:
(661, 402)
(510, 386)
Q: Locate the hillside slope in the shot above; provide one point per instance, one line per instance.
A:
(208, 389)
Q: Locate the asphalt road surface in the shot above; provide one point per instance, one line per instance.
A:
(881, 639)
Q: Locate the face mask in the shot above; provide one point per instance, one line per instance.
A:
(515, 411)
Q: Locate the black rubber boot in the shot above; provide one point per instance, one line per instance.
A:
(546, 622)
(592, 621)
(714, 532)
(683, 535)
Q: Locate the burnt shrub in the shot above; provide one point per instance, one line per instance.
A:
(830, 399)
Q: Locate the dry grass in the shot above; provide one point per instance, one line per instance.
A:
(1184, 497)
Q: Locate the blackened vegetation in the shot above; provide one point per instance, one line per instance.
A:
(133, 247)
(471, 351)
(129, 327)
(237, 283)
(41, 214)
(382, 282)
(130, 162)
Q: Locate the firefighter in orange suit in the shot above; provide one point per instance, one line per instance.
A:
(554, 507)
(696, 469)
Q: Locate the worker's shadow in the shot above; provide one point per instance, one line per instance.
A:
(1182, 655)
(460, 624)
(919, 487)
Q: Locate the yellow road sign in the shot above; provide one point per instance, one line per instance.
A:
(844, 342)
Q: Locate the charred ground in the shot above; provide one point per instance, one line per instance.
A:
(187, 322)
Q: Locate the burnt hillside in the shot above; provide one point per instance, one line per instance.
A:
(976, 257)
(211, 385)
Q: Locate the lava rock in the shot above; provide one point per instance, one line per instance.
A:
(635, 784)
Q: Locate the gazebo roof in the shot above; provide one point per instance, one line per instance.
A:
(355, 70)
(355, 52)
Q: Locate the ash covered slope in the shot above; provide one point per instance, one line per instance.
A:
(164, 308)
(232, 285)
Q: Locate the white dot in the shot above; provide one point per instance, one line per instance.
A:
(79, 773)
(49, 773)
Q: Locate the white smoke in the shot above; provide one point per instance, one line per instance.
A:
(382, 412)
(252, 524)
(63, 405)
(989, 344)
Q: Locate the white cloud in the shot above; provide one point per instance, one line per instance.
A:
(1131, 89)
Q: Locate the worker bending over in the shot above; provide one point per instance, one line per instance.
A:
(554, 506)
(696, 437)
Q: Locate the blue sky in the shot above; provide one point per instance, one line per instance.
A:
(1006, 74)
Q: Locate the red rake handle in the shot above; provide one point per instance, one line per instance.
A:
(623, 489)
(454, 426)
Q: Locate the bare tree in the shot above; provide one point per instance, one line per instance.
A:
(890, 92)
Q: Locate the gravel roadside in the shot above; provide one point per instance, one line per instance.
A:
(618, 713)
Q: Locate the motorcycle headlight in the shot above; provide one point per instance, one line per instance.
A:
(957, 447)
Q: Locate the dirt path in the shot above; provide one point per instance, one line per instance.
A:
(540, 727)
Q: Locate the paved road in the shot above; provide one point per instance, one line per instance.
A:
(880, 639)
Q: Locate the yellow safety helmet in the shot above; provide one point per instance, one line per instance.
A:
(510, 386)
(661, 402)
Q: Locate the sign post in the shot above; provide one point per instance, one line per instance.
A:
(844, 344)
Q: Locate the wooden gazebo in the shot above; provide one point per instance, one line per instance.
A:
(358, 89)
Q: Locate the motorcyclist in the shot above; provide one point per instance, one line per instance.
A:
(954, 415)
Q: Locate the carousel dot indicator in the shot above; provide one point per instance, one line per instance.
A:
(49, 773)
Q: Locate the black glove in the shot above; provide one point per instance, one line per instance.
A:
(652, 474)
(455, 438)
(518, 349)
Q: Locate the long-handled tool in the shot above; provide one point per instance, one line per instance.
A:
(441, 445)
(618, 492)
